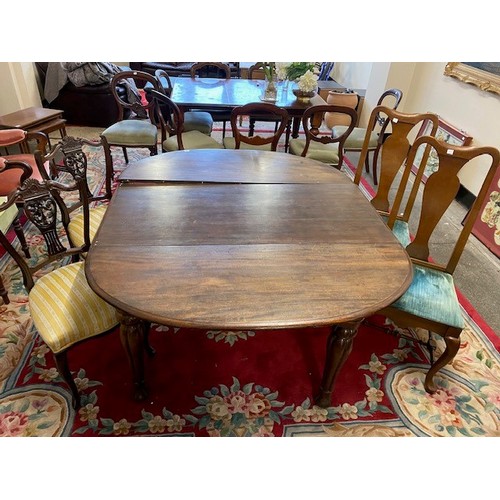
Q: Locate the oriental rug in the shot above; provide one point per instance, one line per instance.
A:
(241, 383)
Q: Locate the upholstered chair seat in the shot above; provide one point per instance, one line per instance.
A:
(326, 153)
(76, 226)
(65, 310)
(198, 120)
(432, 296)
(131, 133)
(191, 140)
(356, 137)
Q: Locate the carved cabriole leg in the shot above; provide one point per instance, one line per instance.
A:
(132, 337)
(338, 348)
(153, 150)
(150, 351)
(63, 369)
(452, 342)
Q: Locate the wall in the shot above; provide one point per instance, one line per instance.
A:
(18, 86)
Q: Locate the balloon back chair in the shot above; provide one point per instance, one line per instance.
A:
(257, 110)
(324, 148)
(219, 70)
(139, 130)
(193, 120)
(431, 302)
(172, 124)
(64, 309)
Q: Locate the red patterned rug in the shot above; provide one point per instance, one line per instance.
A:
(242, 383)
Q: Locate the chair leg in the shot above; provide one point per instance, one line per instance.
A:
(224, 129)
(125, 155)
(452, 345)
(63, 369)
(3, 292)
(153, 150)
(18, 229)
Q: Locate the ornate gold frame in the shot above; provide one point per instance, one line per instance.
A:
(468, 74)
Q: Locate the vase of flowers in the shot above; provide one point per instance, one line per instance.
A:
(270, 89)
(302, 73)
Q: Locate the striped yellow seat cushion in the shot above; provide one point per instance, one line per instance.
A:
(75, 227)
(65, 310)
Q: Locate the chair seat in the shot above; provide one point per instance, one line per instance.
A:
(326, 153)
(356, 137)
(65, 310)
(75, 227)
(192, 140)
(131, 133)
(198, 120)
(432, 296)
(400, 230)
(230, 143)
(11, 178)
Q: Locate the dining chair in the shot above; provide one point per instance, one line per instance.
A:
(193, 120)
(172, 124)
(255, 71)
(74, 163)
(324, 148)
(21, 144)
(214, 70)
(64, 309)
(377, 130)
(135, 127)
(258, 110)
(393, 155)
(431, 302)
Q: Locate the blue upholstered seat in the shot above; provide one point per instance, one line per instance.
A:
(432, 295)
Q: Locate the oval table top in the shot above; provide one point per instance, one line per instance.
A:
(226, 239)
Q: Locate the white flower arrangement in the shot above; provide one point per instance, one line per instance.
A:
(308, 82)
(282, 70)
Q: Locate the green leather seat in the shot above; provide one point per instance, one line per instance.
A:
(326, 153)
(355, 138)
(131, 133)
(192, 140)
(230, 143)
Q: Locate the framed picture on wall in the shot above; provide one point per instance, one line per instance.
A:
(487, 226)
(445, 132)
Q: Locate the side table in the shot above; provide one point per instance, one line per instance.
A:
(35, 119)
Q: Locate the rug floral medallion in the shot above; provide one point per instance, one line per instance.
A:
(241, 383)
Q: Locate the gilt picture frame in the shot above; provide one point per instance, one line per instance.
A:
(445, 132)
(485, 75)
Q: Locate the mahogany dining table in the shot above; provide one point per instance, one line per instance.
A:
(239, 239)
(227, 93)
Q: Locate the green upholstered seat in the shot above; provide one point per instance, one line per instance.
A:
(192, 140)
(131, 132)
(432, 296)
(356, 137)
(400, 230)
(326, 153)
(230, 143)
(198, 120)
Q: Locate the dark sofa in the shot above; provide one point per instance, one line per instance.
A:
(91, 105)
(177, 68)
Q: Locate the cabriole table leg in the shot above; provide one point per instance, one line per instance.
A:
(338, 348)
(132, 337)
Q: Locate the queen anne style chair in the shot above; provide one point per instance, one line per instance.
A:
(172, 124)
(74, 162)
(221, 70)
(393, 155)
(377, 129)
(193, 120)
(139, 129)
(431, 301)
(324, 148)
(64, 309)
(258, 110)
